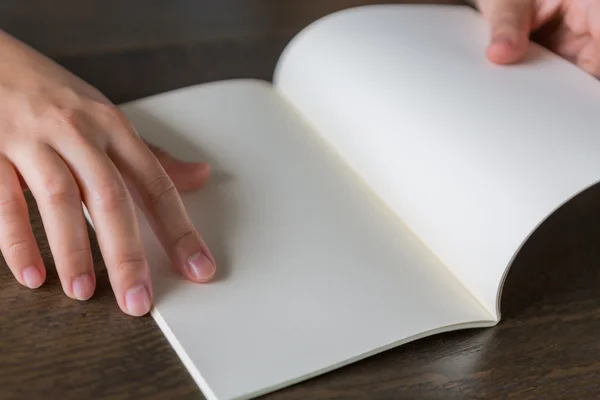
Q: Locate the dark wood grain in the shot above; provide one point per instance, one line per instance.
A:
(546, 347)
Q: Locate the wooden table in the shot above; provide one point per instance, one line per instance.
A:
(547, 346)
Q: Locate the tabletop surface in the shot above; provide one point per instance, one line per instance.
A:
(546, 347)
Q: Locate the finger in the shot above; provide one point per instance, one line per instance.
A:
(163, 207)
(186, 176)
(113, 216)
(545, 12)
(593, 21)
(566, 44)
(575, 17)
(17, 242)
(510, 25)
(588, 57)
(59, 202)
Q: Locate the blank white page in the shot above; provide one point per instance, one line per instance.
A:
(471, 155)
(312, 273)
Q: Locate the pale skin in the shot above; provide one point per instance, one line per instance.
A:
(67, 143)
(570, 28)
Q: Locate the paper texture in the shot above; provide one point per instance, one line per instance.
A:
(473, 156)
(313, 272)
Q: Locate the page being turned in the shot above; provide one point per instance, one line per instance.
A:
(472, 156)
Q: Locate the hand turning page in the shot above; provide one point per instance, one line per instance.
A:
(472, 156)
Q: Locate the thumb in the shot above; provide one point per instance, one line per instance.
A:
(510, 24)
(187, 177)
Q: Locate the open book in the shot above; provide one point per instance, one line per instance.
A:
(375, 193)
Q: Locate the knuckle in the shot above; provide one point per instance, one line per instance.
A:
(66, 117)
(107, 110)
(111, 197)
(77, 259)
(60, 189)
(70, 122)
(17, 246)
(133, 264)
(186, 234)
(114, 117)
(162, 190)
(11, 206)
(112, 111)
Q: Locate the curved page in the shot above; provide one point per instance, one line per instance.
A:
(311, 275)
(472, 156)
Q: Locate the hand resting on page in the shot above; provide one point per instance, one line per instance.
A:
(66, 143)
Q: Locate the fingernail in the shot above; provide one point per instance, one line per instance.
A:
(32, 277)
(83, 287)
(201, 267)
(137, 301)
